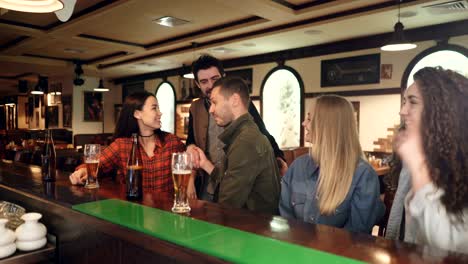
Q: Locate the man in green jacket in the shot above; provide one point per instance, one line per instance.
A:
(250, 177)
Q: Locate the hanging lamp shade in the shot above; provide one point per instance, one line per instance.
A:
(398, 41)
(37, 90)
(32, 6)
(189, 76)
(41, 86)
(101, 87)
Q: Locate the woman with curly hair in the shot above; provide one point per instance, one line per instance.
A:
(434, 147)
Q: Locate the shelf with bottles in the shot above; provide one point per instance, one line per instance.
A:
(182, 120)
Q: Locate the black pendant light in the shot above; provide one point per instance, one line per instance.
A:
(398, 41)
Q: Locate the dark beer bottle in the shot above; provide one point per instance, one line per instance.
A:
(133, 178)
(48, 158)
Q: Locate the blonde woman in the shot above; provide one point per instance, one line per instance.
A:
(333, 184)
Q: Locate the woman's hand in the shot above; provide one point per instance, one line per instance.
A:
(191, 192)
(79, 176)
(409, 146)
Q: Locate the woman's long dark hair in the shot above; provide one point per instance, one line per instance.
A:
(127, 123)
(444, 132)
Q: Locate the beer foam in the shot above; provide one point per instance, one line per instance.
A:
(182, 171)
(91, 161)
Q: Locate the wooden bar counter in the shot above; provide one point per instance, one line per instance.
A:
(82, 238)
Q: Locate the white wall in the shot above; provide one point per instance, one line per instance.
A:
(114, 96)
(377, 113)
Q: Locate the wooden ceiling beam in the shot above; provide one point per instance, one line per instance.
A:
(34, 60)
(75, 26)
(21, 30)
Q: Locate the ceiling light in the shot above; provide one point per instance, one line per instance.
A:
(41, 85)
(101, 87)
(408, 14)
(55, 89)
(248, 44)
(398, 41)
(169, 21)
(223, 50)
(67, 11)
(73, 50)
(313, 32)
(32, 6)
(189, 76)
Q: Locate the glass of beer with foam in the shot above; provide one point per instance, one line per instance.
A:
(181, 171)
(92, 152)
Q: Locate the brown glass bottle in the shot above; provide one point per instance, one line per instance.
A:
(134, 177)
(48, 158)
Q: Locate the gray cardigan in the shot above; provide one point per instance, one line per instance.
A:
(396, 213)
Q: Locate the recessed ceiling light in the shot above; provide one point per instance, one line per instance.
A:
(408, 14)
(313, 32)
(223, 50)
(248, 44)
(146, 64)
(169, 21)
(73, 50)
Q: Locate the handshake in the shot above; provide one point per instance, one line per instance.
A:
(199, 159)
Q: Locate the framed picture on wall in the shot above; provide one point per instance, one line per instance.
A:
(245, 74)
(350, 71)
(67, 111)
(53, 113)
(92, 107)
(26, 109)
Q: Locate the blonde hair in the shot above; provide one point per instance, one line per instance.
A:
(335, 149)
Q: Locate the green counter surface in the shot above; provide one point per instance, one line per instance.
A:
(223, 242)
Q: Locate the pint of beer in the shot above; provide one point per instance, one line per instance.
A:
(181, 171)
(92, 153)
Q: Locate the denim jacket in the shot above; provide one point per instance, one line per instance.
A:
(359, 212)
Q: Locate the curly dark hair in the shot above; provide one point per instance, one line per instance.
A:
(445, 133)
(206, 62)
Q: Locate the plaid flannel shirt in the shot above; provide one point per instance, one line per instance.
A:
(157, 172)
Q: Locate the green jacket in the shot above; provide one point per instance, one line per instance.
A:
(251, 178)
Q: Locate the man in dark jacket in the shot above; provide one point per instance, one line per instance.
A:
(249, 176)
(203, 131)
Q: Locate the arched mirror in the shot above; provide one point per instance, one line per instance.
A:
(166, 98)
(282, 100)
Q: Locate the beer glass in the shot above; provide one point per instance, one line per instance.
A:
(92, 152)
(181, 171)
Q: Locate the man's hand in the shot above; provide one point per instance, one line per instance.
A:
(192, 150)
(282, 165)
(205, 163)
(79, 176)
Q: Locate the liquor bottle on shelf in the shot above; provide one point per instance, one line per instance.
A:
(48, 158)
(133, 178)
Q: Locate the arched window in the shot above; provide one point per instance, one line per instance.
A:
(282, 100)
(166, 98)
(447, 56)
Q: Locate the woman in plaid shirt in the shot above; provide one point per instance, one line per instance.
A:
(140, 114)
